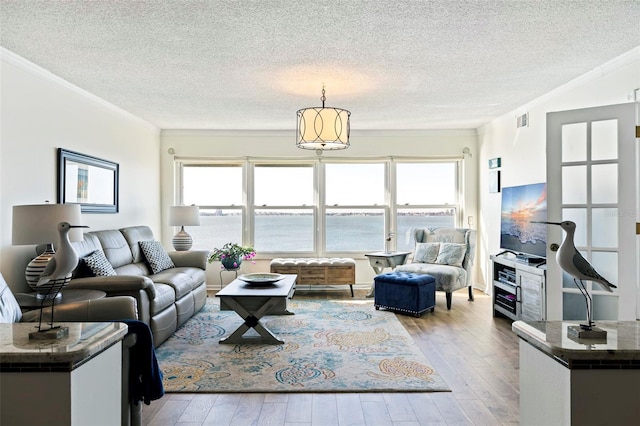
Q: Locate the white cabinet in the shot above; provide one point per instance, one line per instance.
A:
(518, 289)
(571, 381)
(531, 295)
(74, 381)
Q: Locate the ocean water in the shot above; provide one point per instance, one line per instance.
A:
(294, 233)
(524, 235)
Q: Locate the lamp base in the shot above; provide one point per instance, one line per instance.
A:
(182, 241)
(53, 333)
(580, 332)
(36, 267)
(48, 296)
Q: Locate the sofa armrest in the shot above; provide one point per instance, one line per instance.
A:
(97, 310)
(192, 258)
(116, 284)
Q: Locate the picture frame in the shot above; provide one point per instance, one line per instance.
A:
(494, 181)
(89, 181)
(495, 163)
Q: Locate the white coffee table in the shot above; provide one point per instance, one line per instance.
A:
(252, 302)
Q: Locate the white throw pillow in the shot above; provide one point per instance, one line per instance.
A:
(426, 252)
(451, 254)
(10, 311)
(156, 255)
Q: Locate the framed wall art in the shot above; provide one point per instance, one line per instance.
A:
(89, 181)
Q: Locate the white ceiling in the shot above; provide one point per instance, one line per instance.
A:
(396, 64)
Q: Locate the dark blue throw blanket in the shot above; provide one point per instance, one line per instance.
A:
(145, 377)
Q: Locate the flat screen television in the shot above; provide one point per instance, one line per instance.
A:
(522, 206)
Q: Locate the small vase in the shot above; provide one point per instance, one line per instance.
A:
(228, 263)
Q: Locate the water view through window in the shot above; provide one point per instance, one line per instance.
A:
(353, 218)
(294, 232)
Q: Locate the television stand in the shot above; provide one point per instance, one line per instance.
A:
(507, 251)
(531, 260)
(518, 289)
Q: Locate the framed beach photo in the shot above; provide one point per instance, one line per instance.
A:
(89, 181)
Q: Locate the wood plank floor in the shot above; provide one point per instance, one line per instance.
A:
(476, 354)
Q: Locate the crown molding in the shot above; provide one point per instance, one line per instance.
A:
(291, 133)
(18, 61)
(627, 58)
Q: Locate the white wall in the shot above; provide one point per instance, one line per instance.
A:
(523, 151)
(281, 144)
(40, 113)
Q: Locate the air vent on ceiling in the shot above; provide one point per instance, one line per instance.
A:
(523, 120)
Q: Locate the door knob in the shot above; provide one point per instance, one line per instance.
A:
(554, 247)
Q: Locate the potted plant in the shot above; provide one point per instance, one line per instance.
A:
(231, 255)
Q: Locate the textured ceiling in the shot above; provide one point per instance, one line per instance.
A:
(396, 64)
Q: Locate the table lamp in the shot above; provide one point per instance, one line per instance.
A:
(183, 216)
(37, 224)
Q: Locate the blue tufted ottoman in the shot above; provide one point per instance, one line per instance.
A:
(405, 292)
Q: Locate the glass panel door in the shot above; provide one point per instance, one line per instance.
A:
(591, 178)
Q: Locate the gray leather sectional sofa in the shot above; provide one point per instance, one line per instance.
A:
(165, 300)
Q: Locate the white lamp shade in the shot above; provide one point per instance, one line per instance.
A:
(323, 128)
(38, 223)
(184, 216)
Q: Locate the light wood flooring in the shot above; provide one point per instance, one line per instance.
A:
(476, 354)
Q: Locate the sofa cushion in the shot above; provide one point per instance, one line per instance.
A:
(135, 234)
(115, 247)
(156, 255)
(448, 278)
(141, 268)
(165, 296)
(10, 311)
(88, 245)
(83, 248)
(426, 252)
(98, 264)
(451, 254)
(183, 280)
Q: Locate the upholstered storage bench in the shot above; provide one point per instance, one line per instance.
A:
(405, 292)
(318, 271)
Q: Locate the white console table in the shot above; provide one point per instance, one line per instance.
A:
(570, 381)
(76, 380)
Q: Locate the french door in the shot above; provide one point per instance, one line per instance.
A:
(592, 180)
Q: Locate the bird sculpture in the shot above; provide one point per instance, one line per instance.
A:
(57, 274)
(571, 261)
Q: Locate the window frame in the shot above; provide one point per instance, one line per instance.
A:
(179, 193)
(390, 206)
(458, 196)
(252, 207)
(385, 206)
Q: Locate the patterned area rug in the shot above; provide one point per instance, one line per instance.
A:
(330, 346)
